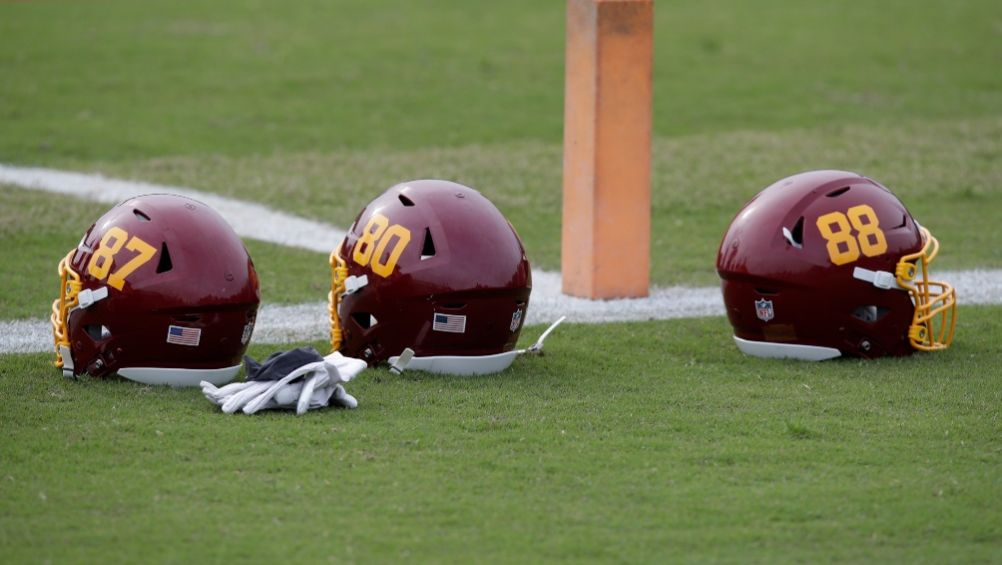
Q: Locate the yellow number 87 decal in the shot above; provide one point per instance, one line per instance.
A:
(842, 246)
(376, 238)
(111, 244)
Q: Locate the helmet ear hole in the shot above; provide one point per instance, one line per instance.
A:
(870, 313)
(364, 320)
(97, 332)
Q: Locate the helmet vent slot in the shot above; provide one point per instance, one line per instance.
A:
(870, 313)
(838, 192)
(405, 201)
(904, 222)
(364, 319)
(795, 237)
(766, 291)
(188, 318)
(165, 264)
(428, 248)
(454, 305)
(141, 215)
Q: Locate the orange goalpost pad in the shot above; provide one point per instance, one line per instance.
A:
(605, 241)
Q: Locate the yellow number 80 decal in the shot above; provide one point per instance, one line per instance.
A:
(111, 244)
(376, 238)
(842, 246)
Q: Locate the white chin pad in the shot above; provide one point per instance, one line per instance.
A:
(462, 365)
(786, 350)
(179, 377)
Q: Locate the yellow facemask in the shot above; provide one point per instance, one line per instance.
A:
(69, 298)
(935, 318)
(339, 272)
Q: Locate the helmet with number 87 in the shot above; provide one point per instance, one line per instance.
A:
(830, 263)
(161, 291)
(434, 267)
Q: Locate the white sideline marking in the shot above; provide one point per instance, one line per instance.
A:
(309, 322)
(248, 219)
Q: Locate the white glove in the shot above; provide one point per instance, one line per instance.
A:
(314, 385)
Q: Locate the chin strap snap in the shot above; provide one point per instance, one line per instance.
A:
(400, 363)
(88, 297)
(880, 279)
(537, 347)
(353, 283)
(66, 360)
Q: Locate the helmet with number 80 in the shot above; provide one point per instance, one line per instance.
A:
(161, 291)
(830, 263)
(432, 266)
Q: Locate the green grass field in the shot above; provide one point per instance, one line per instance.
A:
(639, 442)
(628, 443)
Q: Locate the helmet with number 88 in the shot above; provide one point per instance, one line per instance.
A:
(830, 263)
(431, 266)
(161, 291)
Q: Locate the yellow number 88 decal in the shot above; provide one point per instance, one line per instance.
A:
(376, 238)
(842, 246)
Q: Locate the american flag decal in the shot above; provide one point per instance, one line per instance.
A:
(449, 323)
(184, 336)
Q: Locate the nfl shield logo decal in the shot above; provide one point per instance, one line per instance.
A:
(516, 319)
(764, 311)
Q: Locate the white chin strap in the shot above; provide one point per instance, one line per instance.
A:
(179, 377)
(67, 356)
(786, 350)
(466, 365)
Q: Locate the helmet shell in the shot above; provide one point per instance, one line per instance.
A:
(446, 275)
(199, 278)
(788, 286)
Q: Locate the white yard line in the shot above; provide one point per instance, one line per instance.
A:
(248, 219)
(308, 322)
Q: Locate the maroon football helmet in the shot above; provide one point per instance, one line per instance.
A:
(830, 263)
(161, 291)
(432, 266)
